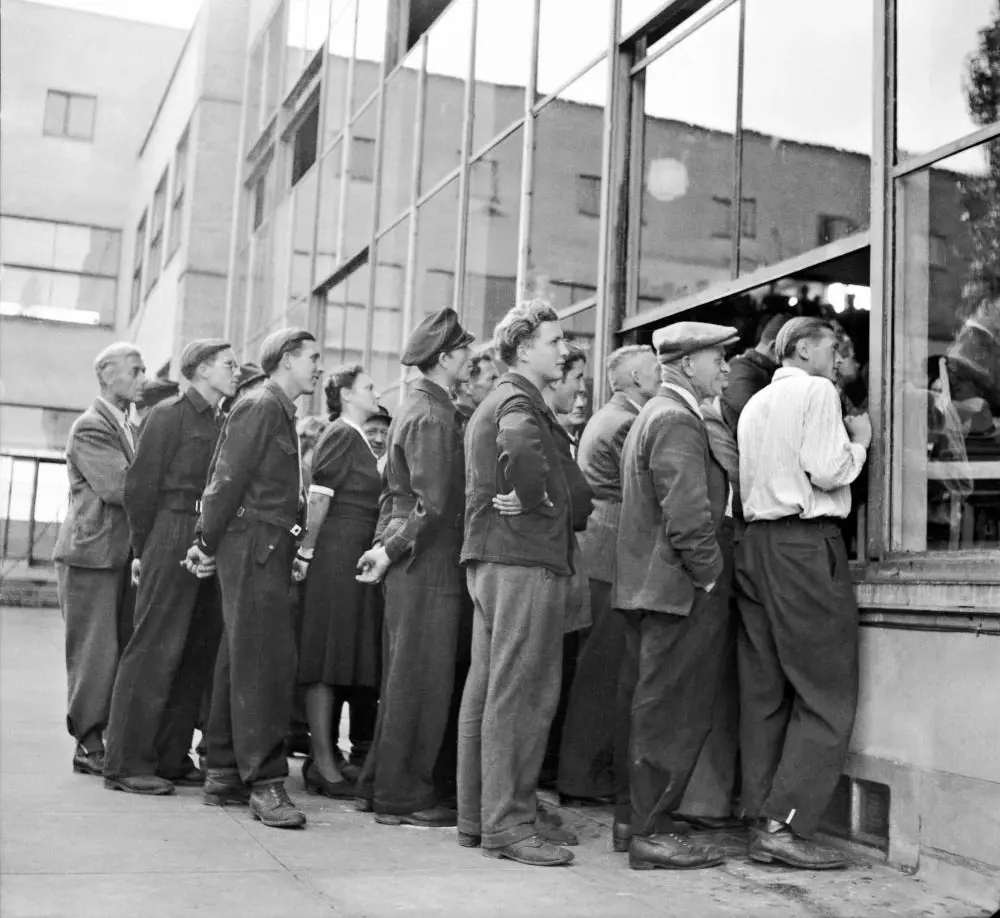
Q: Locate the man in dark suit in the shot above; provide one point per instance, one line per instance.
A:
(672, 585)
(92, 550)
(751, 371)
(585, 756)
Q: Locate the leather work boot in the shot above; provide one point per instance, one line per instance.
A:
(151, 785)
(621, 834)
(533, 851)
(558, 835)
(222, 787)
(435, 817)
(670, 852)
(86, 762)
(768, 845)
(271, 804)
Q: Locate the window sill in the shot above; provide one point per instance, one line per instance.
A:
(929, 586)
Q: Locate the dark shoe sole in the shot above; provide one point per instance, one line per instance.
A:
(115, 784)
(635, 863)
(334, 792)
(390, 819)
(279, 824)
(768, 858)
(85, 770)
(225, 799)
(186, 782)
(502, 853)
(468, 840)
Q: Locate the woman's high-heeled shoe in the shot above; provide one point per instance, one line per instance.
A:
(316, 784)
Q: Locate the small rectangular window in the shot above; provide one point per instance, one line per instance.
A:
(304, 144)
(722, 221)
(69, 114)
(140, 251)
(362, 166)
(177, 207)
(156, 232)
(748, 218)
(588, 195)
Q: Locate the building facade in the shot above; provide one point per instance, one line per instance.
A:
(638, 162)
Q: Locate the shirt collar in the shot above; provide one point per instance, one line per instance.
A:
(691, 401)
(283, 398)
(357, 427)
(199, 401)
(786, 372)
(522, 382)
(435, 391)
(116, 412)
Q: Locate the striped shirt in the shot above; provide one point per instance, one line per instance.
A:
(795, 456)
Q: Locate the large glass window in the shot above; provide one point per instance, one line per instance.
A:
(159, 216)
(59, 271)
(806, 139)
(369, 50)
(303, 228)
(687, 162)
(329, 214)
(346, 320)
(180, 184)
(359, 183)
(33, 501)
(502, 66)
(398, 137)
(567, 40)
(295, 50)
(69, 114)
(566, 204)
(947, 82)
(491, 240)
(444, 97)
(437, 232)
(338, 58)
(946, 383)
(387, 321)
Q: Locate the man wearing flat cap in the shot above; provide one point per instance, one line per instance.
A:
(168, 661)
(672, 586)
(416, 552)
(250, 521)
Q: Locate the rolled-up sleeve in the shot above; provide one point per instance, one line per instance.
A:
(828, 456)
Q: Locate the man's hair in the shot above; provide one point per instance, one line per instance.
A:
(113, 354)
(801, 328)
(520, 326)
(616, 359)
(476, 364)
(279, 343)
(574, 355)
(769, 329)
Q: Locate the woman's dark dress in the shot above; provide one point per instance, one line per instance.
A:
(341, 625)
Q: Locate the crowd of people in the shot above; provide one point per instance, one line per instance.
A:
(653, 612)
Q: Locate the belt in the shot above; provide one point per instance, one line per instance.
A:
(274, 519)
(182, 501)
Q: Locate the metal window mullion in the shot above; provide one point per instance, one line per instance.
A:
(679, 35)
(637, 142)
(737, 207)
(346, 136)
(31, 513)
(603, 317)
(881, 470)
(562, 87)
(527, 161)
(461, 246)
(916, 163)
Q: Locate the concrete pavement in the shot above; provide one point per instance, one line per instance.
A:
(71, 848)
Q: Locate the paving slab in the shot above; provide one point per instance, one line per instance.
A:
(69, 848)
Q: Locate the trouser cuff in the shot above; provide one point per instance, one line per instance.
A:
(509, 836)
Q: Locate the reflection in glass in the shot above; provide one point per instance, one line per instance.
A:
(807, 129)
(567, 40)
(238, 300)
(437, 228)
(503, 58)
(317, 24)
(687, 162)
(303, 228)
(398, 132)
(369, 50)
(329, 213)
(947, 355)
(338, 58)
(444, 98)
(346, 320)
(360, 183)
(566, 206)
(387, 324)
(255, 82)
(491, 254)
(261, 284)
(56, 295)
(273, 79)
(939, 57)
(295, 34)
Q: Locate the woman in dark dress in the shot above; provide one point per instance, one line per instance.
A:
(339, 629)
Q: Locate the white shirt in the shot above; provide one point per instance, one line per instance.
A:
(122, 420)
(795, 456)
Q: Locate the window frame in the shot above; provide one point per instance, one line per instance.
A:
(138, 264)
(158, 213)
(177, 196)
(68, 99)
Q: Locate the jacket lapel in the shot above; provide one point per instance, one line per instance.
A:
(112, 422)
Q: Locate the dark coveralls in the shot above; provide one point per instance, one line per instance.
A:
(168, 661)
(674, 497)
(249, 522)
(421, 530)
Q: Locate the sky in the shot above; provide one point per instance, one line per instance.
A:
(177, 13)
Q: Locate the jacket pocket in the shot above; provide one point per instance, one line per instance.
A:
(264, 543)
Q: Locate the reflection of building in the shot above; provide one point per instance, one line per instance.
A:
(377, 177)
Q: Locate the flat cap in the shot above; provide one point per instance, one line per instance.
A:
(156, 391)
(279, 343)
(683, 338)
(199, 351)
(437, 334)
(249, 374)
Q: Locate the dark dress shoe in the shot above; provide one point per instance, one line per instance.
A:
(190, 775)
(363, 805)
(713, 823)
(88, 763)
(573, 800)
(670, 852)
(533, 851)
(788, 848)
(469, 840)
(271, 804)
(222, 787)
(621, 834)
(152, 785)
(435, 817)
(316, 784)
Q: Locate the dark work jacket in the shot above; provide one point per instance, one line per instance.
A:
(170, 469)
(600, 458)
(674, 496)
(256, 466)
(424, 483)
(512, 442)
(748, 374)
